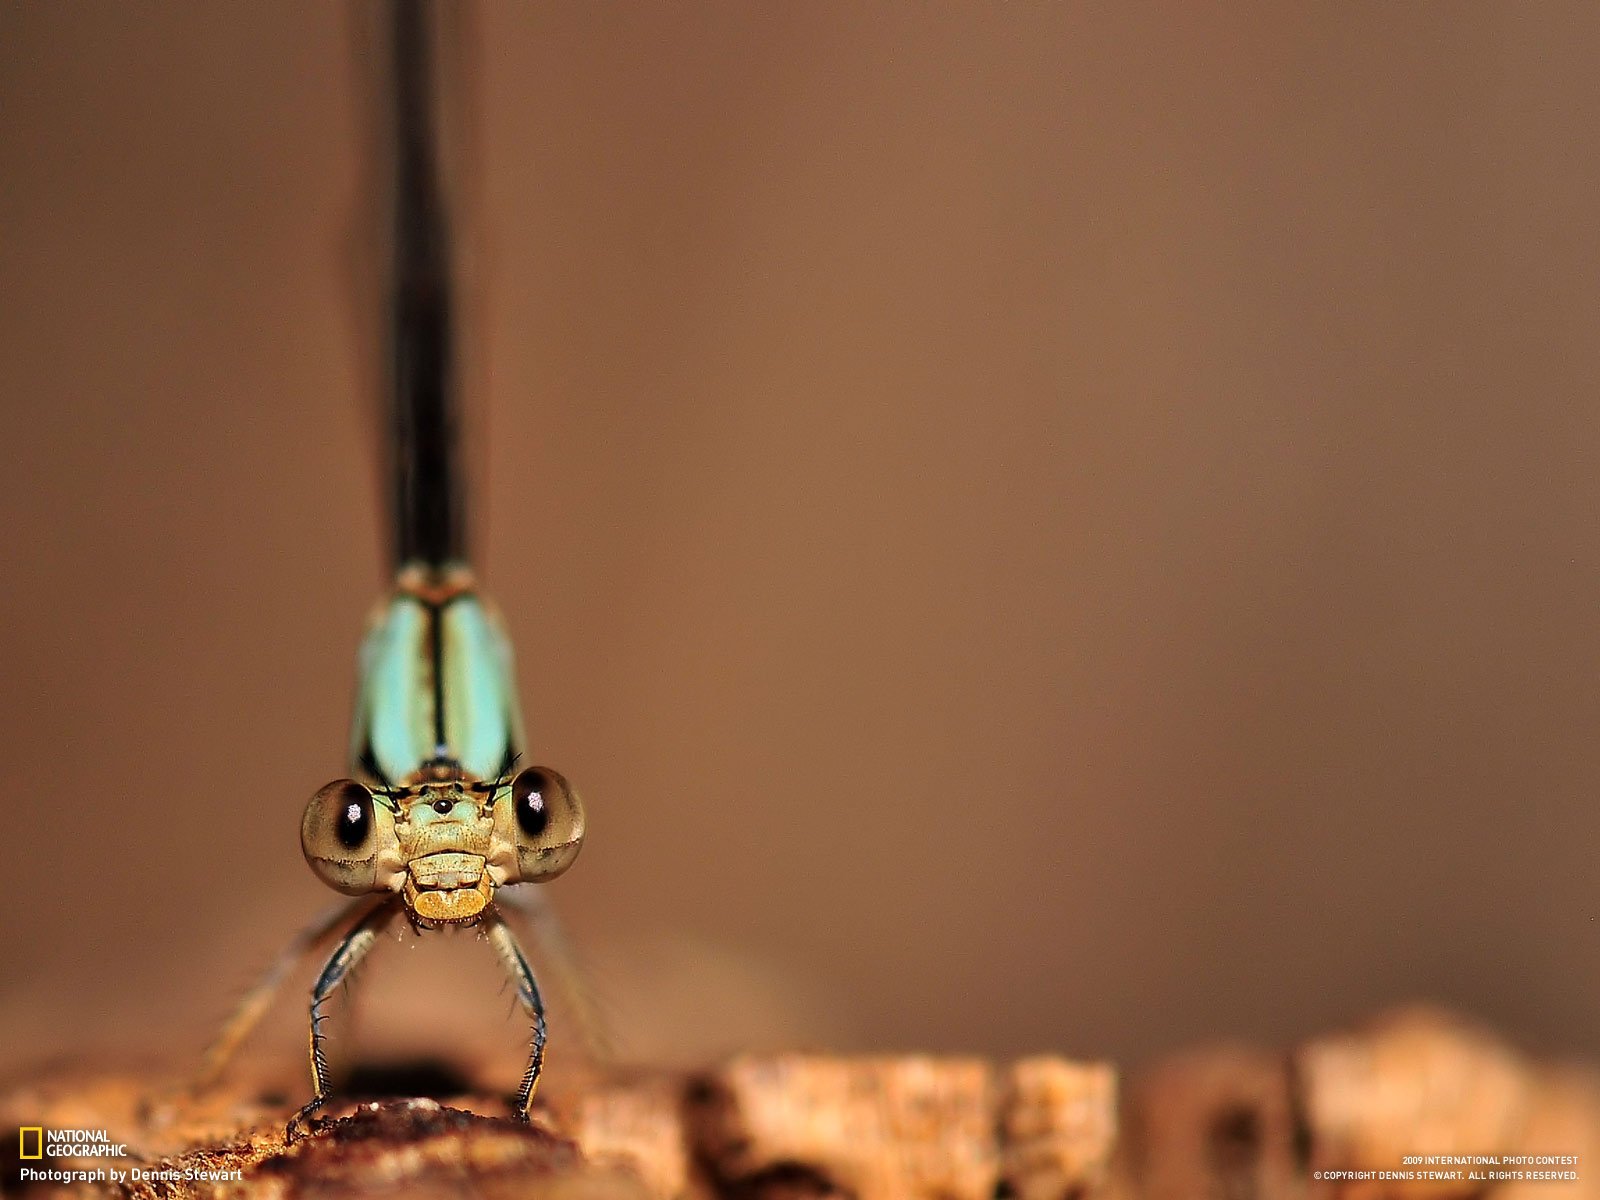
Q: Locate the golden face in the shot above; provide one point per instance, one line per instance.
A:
(444, 842)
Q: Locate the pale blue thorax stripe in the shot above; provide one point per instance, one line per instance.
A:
(481, 722)
(394, 705)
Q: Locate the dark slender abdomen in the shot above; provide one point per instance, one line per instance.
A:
(429, 517)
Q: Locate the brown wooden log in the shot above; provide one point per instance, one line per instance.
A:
(869, 1128)
(1417, 1083)
(1057, 1128)
(417, 1147)
(1217, 1124)
(1563, 1119)
(906, 1128)
(634, 1124)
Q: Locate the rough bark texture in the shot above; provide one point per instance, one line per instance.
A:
(1227, 1122)
(1217, 1122)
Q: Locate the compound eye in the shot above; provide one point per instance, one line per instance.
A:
(338, 836)
(548, 823)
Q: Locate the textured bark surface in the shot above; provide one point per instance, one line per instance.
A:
(1215, 1122)
(1226, 1122)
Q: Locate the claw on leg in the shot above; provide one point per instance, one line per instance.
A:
(300, 1124)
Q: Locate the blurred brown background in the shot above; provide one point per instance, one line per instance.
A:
(1033, 525)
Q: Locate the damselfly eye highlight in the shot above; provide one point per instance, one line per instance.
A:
(546, 823)
(527, 797)
(355, 823)
(338, 836)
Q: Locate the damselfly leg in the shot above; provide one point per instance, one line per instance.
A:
(350, 951)
(253, 1005)
(516, 966)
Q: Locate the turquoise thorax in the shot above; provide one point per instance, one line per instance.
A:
(436, 682)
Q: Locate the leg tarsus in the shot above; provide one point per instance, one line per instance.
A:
(300, 1124)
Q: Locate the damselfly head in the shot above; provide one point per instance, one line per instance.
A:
(446, 832)
(444, 841)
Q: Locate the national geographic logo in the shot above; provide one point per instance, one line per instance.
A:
(38, 1142)
(60, 1152)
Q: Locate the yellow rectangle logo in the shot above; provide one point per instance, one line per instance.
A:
(38, 1141)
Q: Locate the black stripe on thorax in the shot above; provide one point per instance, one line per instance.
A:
(435, 609)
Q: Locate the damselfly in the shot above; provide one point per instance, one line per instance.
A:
(438, 815)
